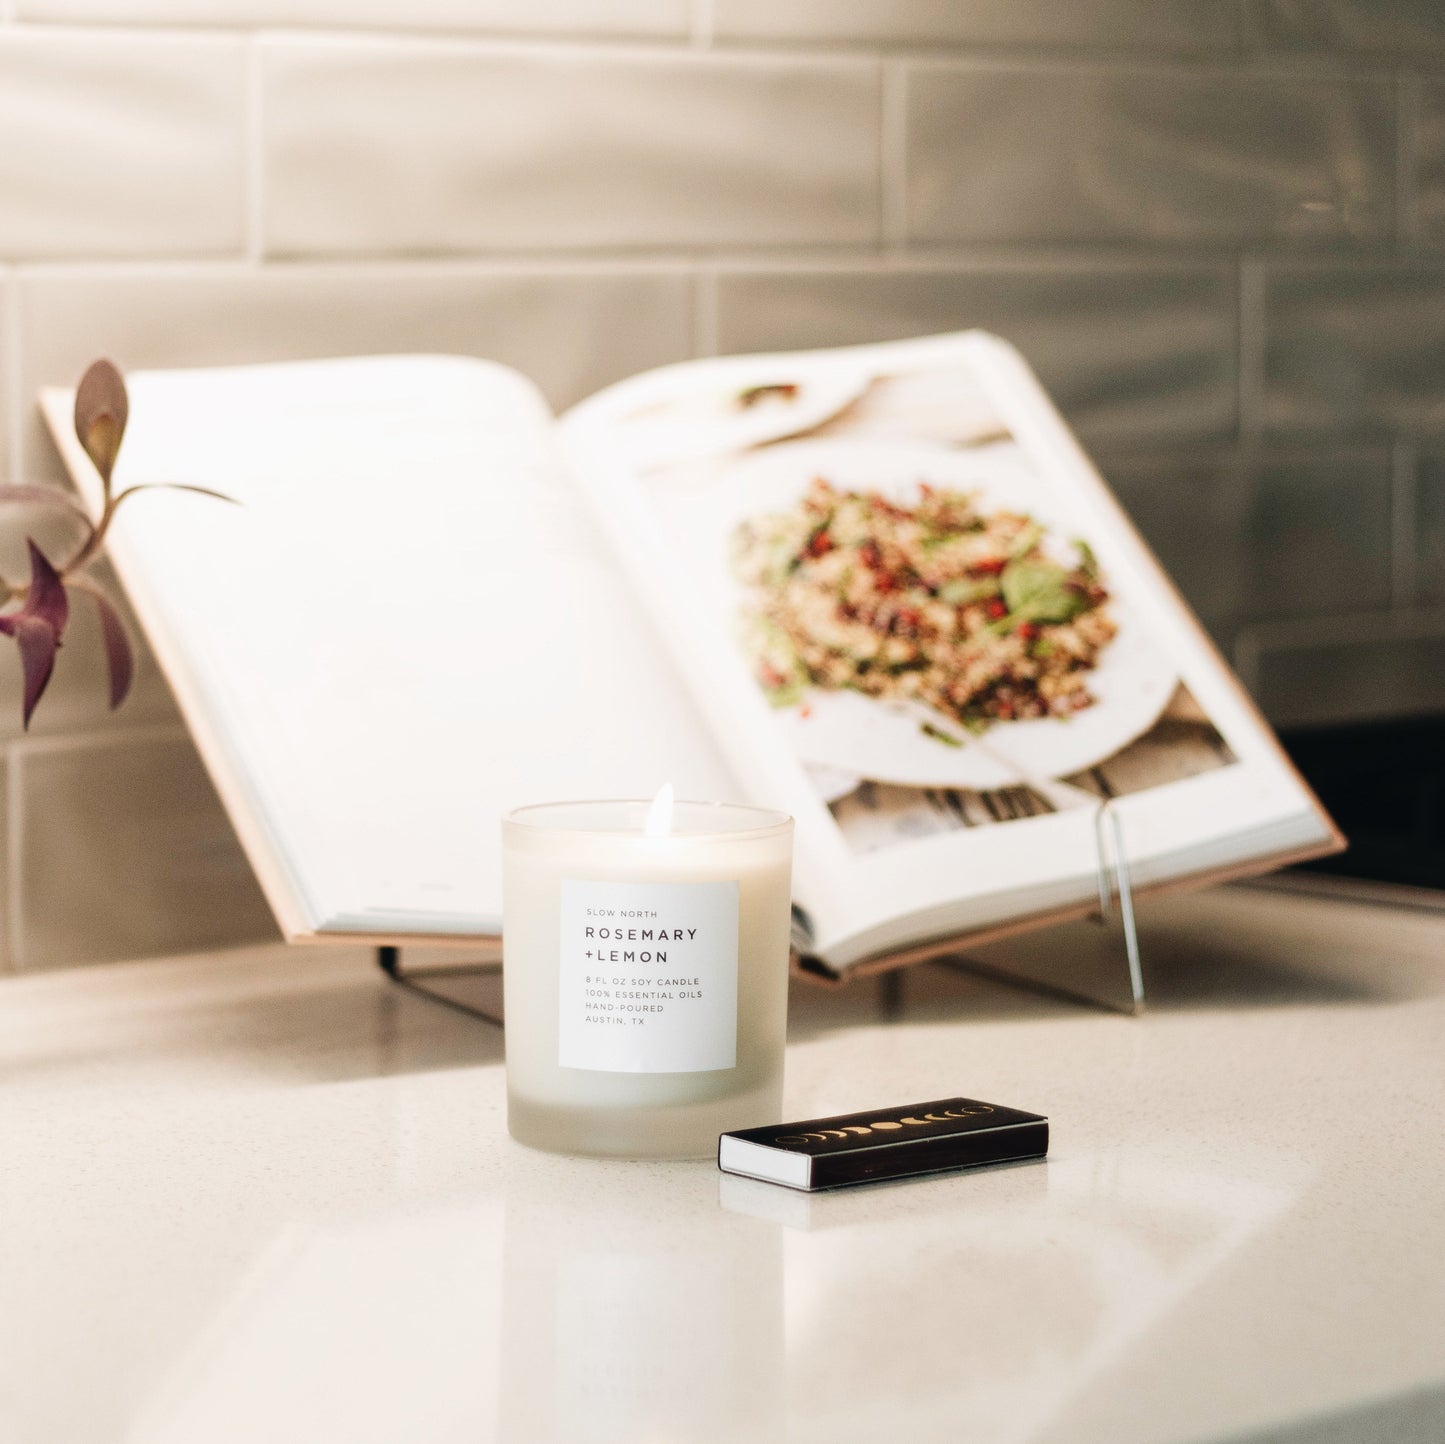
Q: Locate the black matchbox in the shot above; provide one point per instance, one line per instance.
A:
(885, 1143)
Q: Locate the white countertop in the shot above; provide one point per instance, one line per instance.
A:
(265, 1196)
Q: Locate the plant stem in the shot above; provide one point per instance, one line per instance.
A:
(93, 542)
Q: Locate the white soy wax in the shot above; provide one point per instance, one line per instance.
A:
(645, 973)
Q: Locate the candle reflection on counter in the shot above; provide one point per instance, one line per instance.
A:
(619, 1326)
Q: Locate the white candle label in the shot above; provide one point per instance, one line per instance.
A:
(649, 978)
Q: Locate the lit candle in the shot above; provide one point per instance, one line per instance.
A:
(645, 972)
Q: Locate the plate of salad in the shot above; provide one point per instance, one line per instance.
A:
(932, 617)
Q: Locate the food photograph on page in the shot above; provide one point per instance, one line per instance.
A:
(923, 609)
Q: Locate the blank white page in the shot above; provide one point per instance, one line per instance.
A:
(405, 629)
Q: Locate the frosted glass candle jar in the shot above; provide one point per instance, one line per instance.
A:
(645, 977)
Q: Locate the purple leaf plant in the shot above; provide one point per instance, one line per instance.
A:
(38, 623)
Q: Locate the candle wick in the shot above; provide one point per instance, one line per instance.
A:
(659, 815)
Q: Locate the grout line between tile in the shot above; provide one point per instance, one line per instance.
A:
(13, 854)
(1224, 60)
(1251, 63)
(1024, 256)
(705, 318)
(1404, 461)
(1160, 451)
(1338, 629)
(820, 256)
(502, 264)
(542, 44)
(10, 349)
(117, 736)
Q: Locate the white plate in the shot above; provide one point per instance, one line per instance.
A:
(704, 423)
(850, 733)
(946, 407)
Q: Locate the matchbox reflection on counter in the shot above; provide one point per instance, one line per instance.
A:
(1052, 1270)
(743, 1312)
(618, 1326)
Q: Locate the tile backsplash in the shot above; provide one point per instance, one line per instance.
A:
(418, 147)
(121, 145)
(1153, 155)
(1216, 227)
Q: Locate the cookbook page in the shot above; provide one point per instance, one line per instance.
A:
(921, 623)
(405, 628)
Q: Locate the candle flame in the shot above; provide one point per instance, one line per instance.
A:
(659, 815)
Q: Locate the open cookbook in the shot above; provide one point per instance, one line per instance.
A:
(879, 587)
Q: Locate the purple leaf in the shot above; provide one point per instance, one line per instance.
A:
(46, 598)
(38, 644)
(101, 409)
(119, 656)
(37, 626)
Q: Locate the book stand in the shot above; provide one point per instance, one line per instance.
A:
(423, 982)
(1108, 828)
(1070, 959)
(1115, 888)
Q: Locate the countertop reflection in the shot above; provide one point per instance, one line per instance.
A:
(265, 1196)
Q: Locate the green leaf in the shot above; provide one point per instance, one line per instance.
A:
(1039, 591)
(939, 735)
(1030, 535)
(773, 391)
(789, 694)
(1088, 562)
(963, 590)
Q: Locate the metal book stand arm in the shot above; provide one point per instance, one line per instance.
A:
(1043, 975)
(1112, 861)
(422, 981)
(1107, 828)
